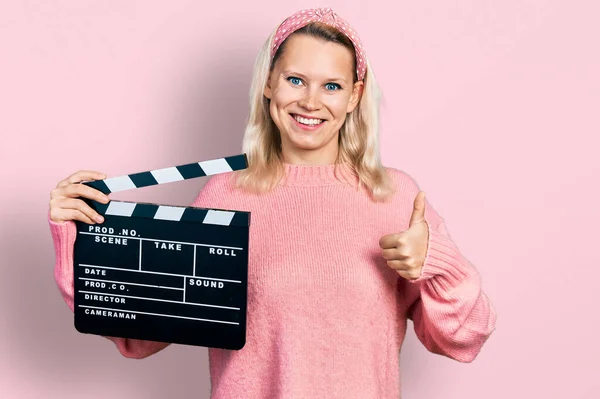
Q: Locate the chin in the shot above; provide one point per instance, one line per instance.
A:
(304, 145)
(307, 140)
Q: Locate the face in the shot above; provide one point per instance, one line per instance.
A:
(311, 91)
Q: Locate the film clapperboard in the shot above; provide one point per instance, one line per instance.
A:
(164, 273)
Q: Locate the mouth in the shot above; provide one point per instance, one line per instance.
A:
(307, 123)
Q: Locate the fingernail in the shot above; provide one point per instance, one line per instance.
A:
(99, 219)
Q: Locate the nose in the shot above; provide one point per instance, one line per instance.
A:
(311, 100)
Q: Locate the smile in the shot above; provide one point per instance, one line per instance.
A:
(307, 123)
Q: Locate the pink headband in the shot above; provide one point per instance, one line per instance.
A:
(329, 17)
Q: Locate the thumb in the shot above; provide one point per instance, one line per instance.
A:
(418, 214)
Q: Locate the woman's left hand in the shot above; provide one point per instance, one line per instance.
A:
(405, 251)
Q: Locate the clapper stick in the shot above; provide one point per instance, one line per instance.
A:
(168, 175)
(164, 273)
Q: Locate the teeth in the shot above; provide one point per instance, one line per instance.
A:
(305, 121)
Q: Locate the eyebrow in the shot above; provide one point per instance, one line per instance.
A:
(290, 72)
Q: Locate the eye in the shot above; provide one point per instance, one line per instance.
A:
(294, 80)
(332, 86)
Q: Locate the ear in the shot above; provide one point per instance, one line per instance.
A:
(267, 92)
(357, 91)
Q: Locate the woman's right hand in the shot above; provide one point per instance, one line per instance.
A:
(65, 204)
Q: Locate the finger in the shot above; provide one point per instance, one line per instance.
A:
(397, 265)
(64, 215)
(82, 175)
(79, 190)
(406, 274)
(74, 203)
(82, 190)
(77, 214)
(392, 254)
(79, 205)
(389, 241)
(418, 213)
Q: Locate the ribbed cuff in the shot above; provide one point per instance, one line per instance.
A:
(443, 261)
(63, 235)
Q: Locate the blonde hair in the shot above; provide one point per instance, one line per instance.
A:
(358, 137)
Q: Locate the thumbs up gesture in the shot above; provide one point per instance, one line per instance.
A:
(405, 251)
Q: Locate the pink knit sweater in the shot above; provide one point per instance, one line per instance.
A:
(326, 315)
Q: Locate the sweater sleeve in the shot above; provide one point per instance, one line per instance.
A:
(452, 316)
(63, 235)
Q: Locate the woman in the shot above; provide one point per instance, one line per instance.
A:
(342, 249)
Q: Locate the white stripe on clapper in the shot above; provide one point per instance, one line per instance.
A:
(166, 175)
(218, 217)
(120, 208)
(119, 183)
(215, 166)
(165, 212)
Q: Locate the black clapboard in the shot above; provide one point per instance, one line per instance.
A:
(164, 273)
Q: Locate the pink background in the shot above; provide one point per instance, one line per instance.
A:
(505, 95)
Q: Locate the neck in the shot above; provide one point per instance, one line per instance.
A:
(326, 155)
(318, 175)
(311, 159)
